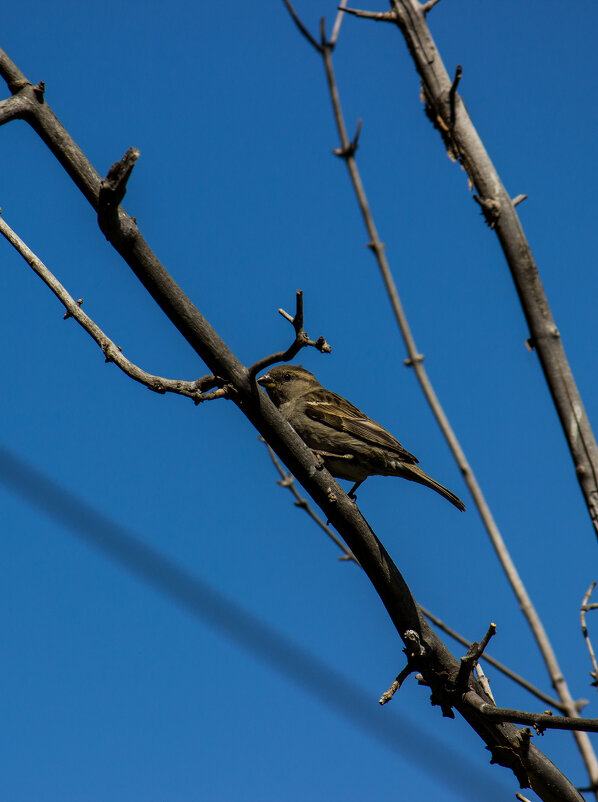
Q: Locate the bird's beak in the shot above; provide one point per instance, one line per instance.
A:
(265, 381)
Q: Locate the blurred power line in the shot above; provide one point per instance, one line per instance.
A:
(333, 689)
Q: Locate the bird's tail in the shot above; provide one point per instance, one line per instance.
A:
(415, 474)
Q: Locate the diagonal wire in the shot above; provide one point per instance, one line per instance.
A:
(335, 691)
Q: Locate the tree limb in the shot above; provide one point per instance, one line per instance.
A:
(112, 352)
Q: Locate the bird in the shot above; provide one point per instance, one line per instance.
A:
(350, 445)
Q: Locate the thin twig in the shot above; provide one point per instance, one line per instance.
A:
(301, 341)
(337, 24)
(301, 27)
(378, 16)
(112, 352)
(466, 142)
(387, 695)
(287, 480)
(470, 660)
(585, 607)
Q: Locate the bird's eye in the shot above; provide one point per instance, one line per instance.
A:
(287, 377)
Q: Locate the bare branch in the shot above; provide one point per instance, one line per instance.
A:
(585, 607)
(301, 341)
(540, 721)
(11, 109)
(112, 352)
(453, 92)
(429, 5)
(288, 481)
(502, 668)
(518, 199)
(301, 27)
(337, 24)
(378, 16)
(470, 660)
(387, 695)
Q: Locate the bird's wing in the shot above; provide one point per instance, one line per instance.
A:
(341, 415)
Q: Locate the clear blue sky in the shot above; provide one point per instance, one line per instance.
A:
(113, 691)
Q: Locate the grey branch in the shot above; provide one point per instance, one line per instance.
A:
(286, 480)
(543, 697)
(469, 661)
(191, 389)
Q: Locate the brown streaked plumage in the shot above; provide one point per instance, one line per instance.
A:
(351, 445)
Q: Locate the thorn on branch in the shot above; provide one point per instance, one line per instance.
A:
(586, 607)
(301, 27)
(429, 5)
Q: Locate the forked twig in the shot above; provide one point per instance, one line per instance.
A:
(301, 341)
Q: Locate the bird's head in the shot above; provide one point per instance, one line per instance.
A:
(287, 382)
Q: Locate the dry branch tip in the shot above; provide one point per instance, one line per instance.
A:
(301, 340)
(377, 16)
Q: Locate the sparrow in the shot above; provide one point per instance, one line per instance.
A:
(350, 445)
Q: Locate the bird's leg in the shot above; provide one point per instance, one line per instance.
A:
(351, 492)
